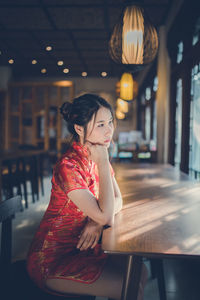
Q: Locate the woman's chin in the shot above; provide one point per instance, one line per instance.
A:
(107, 144)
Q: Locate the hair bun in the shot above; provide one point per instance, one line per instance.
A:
(65, 110)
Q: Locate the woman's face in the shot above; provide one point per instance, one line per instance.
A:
(100, 130)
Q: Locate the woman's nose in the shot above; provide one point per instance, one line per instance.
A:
(109, 130)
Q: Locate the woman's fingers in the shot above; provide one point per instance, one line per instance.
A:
(97, 152)
(89, 236)
(95, 242)
(87, 243)
(81, 240)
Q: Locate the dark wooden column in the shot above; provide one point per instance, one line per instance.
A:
(172, 115)
(2, 118)
(186, 77)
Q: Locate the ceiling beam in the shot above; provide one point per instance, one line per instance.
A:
(49, 18)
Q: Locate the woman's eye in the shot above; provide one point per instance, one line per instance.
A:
(100, 125)
(111, 122)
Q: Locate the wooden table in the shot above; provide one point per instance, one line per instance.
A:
(160, 218)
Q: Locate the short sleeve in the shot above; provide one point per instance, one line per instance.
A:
(70, 177)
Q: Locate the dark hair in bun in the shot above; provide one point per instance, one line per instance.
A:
(81, 111)
(65, 110)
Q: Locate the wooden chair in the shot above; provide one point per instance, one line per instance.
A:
(12, 178)
(36, 164)
(31, 175)
(15, 281)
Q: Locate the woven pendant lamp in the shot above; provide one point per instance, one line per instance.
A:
(134, 40)
(128, 87)
(119, 114)
(122, 105)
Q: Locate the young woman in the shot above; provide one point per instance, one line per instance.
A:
(65, 256)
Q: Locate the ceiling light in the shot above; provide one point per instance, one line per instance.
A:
(134, 40)
(128, 87)
(119, 115)
(43, 71)
(34, 61)
(104, 74)
(60, 63)
(122, 105)
(48, 48)
(11, 61)
(84, 74)
(65, 70)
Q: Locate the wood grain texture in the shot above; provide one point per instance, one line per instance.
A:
(160, 215)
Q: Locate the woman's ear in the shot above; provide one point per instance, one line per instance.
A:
(79, 130)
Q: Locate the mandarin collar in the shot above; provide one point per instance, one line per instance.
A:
(81, 149)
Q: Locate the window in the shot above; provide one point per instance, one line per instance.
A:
(194, 150)
(180, 52)
(178, 124)
(196, 34)
(148, 93)
(155, 84)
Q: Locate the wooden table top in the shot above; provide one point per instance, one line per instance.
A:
(160, 215)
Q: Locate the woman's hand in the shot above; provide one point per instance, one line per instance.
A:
(98, 153)
(90, 235)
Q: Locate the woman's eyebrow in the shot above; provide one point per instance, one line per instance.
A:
(101, 121)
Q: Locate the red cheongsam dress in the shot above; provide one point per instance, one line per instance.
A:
(53, 252)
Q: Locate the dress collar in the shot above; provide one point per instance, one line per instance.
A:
(81, 149)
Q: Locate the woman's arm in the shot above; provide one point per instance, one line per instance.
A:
(118, 196)
(102, 211)
(91, 232)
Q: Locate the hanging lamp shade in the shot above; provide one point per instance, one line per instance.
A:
(119, 115)
(122, 105)
(134, 40)
(128, 87)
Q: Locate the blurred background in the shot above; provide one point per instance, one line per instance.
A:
(52, 51)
